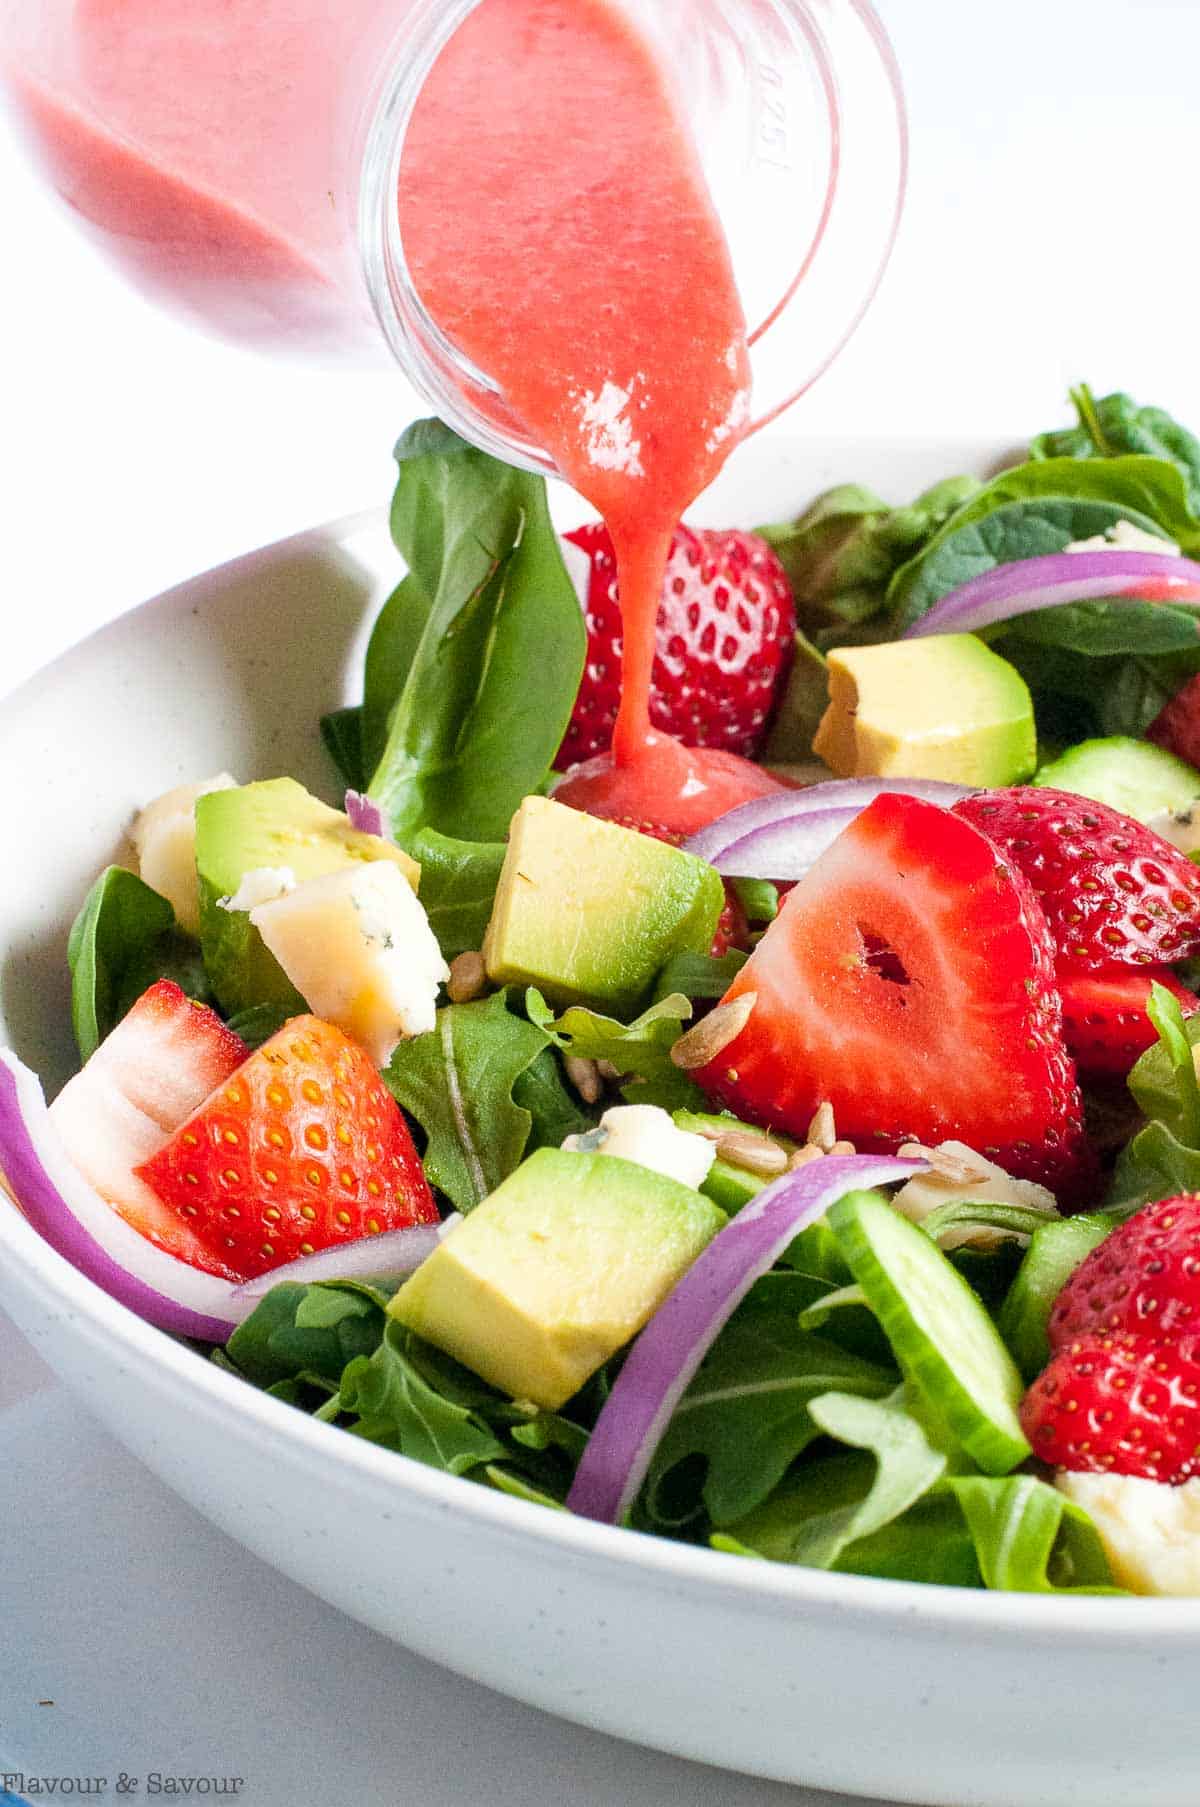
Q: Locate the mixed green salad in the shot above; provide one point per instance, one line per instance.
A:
(817, 1185)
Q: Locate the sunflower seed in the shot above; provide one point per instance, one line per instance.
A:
(753, 1154)
(714, 1032)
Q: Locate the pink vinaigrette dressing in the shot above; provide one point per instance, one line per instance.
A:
(559, 231)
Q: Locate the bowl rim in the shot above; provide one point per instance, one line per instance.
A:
(767, 1586)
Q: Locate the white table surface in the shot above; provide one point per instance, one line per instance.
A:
(1047, 240)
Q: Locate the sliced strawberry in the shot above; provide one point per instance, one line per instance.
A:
(678, 789)
(1105, 1025)
(162, 1060)
(724, 643)
(302, 1148)
(1177, 726)
(1143, 1278)
(909, 980)
(1112, 890)
(1120, 1404)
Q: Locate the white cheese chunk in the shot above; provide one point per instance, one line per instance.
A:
(1179, 826)
(646, 1134)
(358, 947)
(929, 1191)
(1123, 536)
(1150, 1532)
(261, 885)
(164, 838)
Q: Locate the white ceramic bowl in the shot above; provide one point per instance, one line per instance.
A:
(923, 1694)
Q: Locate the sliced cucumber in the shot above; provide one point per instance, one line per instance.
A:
(1055, 1251)
(729, 1186)
(1134, 776)
(939, 1331)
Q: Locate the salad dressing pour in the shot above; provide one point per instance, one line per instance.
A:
(559, 231)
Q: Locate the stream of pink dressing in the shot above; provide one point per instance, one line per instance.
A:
(559, 230)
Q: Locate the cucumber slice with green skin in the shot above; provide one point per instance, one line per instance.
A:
(941, 1336)
(729, 1186)
(1054, 1252)
(1134, 776)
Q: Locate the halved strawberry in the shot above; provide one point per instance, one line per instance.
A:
(146, 1078)
(1105, 1025)
(302, 1148)
(909, 980)
(1113, 891)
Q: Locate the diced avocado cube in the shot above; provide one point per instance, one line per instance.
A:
(275, 824)
(589, 912)
(944, 707)
(556, 1271)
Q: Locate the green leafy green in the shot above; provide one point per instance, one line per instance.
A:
(554, 1111)
(642, 1048)
(342, 732)
(393, 1404)
(983, 1214)
(299, 1330)
(758, 897)
(458, 887)
(841, 552)
(699, 975)
(123, 940)
(1030, 1538)
(258, 1024)
(1153, 1165)
(1163, 1081)
(458, 1083)
(826, 1506)
(746, 1414)
(1115, 425)
(487, 604)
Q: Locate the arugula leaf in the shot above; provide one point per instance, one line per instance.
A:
(396, 1407)
(930, 1543)
(826, 1506)
(555, 1112)
(1115, 425)
(487, 603)
(984, 1214)
(840, 553)
(342, 733)
(458, 1082)
(642, 1048)
(699, 975)
(1163, 1081)
(123, 940)
(317, 1329)
(458, 887)
(1031, 1539)
(746, 1414)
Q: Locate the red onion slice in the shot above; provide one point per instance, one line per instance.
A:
(1061, 577)
(781, 837)
(73, 1218)
(366, 1258)
(366, 815)
(664, 1360)
(70, 1214)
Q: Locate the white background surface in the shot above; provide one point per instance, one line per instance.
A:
(1048, 239)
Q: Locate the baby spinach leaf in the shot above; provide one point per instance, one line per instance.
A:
(746, 1414)
(122, 941)
(342, 732)
(1029, 1538)
(488, 607)
(395, 1406)
(258, 1024)
(458, 887)
(840, 553)
(1115, 425)
(299, 1330)
(826, 1506)
(458, 1082)
(642, 1048)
